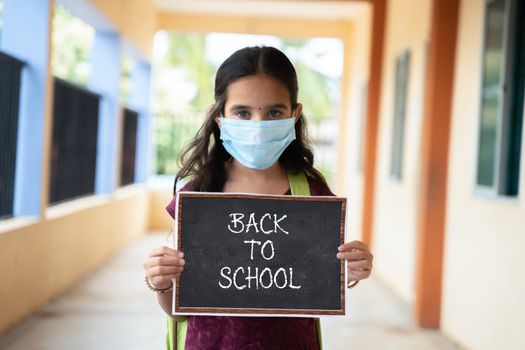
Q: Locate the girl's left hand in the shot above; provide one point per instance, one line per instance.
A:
(359, 260)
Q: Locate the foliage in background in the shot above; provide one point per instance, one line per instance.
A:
(313, 93)
(126, 82)
(72, 41)
(183, 91)
(171, 135)
(189, 51)
(314, 87)
(72, 45)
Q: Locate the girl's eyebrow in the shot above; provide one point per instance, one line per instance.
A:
(236, 107)
(277, 105)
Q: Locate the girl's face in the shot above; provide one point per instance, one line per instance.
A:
(259, 97)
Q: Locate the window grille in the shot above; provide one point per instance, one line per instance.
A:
(74, 145)
(129, 147)
(10, 78)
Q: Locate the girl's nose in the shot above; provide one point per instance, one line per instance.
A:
(259, 115)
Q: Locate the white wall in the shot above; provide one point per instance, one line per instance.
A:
(396, 202)
(484, 271)
(358, 62)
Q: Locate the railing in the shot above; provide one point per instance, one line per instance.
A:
(129, 147)
(74, 152)
(323, 133)
(10, 77)
(172, 133)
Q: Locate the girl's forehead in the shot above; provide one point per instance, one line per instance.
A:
(257, 91)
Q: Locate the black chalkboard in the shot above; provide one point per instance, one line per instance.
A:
(260, 254)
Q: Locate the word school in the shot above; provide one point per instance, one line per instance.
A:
(255, 277)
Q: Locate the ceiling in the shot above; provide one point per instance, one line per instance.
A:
(297, 9)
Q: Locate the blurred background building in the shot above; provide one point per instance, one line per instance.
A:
(415, 109)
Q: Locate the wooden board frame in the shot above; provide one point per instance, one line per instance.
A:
(181, 310)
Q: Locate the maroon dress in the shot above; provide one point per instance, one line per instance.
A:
(252, 333)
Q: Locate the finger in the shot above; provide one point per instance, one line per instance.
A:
(356, 275)
(166, 251)
(164, 261)
(353, 255)
(168, 261)
(164, 270)
(353, 245)
(360, 265)
(161, 282)
(162, 251)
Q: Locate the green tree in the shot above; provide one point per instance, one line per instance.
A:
(72, 40)
(313, 92)
(126, 82)
(314, 87)
(188, 51)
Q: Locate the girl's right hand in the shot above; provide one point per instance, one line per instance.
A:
(163, 265)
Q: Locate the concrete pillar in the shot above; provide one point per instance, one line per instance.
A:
(140, 101)
(434, 162)
(372, 118)
(105, 78)
(26, 35)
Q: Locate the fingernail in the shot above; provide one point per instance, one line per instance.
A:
(339, 255)
(340, 248)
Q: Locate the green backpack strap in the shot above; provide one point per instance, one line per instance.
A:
(299, 187)
(176, 334)
(177, 330)
(171, 333)
(299, 184)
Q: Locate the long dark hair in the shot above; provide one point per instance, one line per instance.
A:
(203, 158)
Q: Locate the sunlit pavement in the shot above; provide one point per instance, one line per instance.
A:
(112, 309)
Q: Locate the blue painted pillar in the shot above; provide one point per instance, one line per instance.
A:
(26, 35)
(140, 100)
(105, 77)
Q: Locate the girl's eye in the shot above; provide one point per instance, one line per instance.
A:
(274, 114)
(243, 114)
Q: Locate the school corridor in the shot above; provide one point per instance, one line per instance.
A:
(111, 309)
(426, 139)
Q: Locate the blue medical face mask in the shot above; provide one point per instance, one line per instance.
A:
(257, 144)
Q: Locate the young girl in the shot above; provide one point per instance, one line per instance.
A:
(253, 141)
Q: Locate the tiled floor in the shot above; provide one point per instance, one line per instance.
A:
(112, 309)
